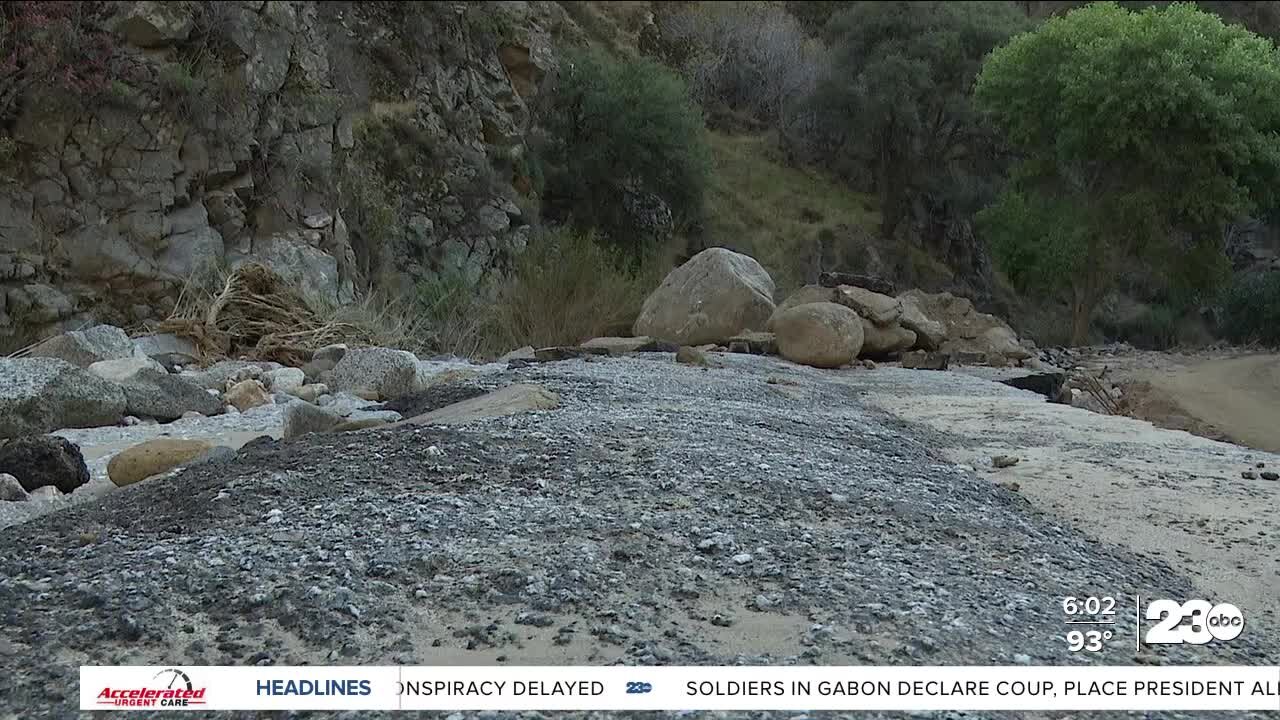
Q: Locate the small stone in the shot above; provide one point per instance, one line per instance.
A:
(869, 364)
(421, 594)
(247, 394)
(721, 620)
(434, 451)
(692, 356)
(311, 392)
(1005, 461)
(1011, 486)
(192, 415)
(761, 603)
(1249, 475)
(742, 558)
(1268, 475)
(1022, 658)
(10, 489)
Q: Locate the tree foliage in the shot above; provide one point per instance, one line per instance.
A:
(896, 100)
(1141, 134)
(616, 126)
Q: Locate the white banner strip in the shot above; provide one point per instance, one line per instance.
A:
(1141, 687)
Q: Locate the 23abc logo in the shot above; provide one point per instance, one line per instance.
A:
(636, 688)
(1204, 622)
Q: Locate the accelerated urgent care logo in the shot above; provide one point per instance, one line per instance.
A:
(169, 688)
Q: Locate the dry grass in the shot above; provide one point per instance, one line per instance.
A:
(253, 311)
(760, 205)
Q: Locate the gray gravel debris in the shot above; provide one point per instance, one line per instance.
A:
(663, 514)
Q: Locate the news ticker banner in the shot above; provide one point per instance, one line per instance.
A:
(679, 688)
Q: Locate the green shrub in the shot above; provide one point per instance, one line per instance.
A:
(566, 287)
(1251, 309)
(612, 123)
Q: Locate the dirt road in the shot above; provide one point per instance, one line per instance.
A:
(1240, 396)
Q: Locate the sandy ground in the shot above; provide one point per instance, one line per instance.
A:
(1240, 396)
(1163, 493)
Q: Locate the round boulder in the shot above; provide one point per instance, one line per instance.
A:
(44, 460)
(823, 335)
(154, 457)
(717, 294)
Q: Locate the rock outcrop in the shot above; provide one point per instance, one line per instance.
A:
(38, 395)
(714, 296)
(824, 334)
(273, 148)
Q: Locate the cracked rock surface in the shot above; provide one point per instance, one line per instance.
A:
(755, 513)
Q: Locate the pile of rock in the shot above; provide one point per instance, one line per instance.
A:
(100, 377)
(722, 300)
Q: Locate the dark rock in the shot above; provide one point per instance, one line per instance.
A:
(555, 354)
(921, 360)
(1048, 384)
(866, 282)
(433, 398)
(44, 460)
(1269, 475)
(659, 346)
(262, 442)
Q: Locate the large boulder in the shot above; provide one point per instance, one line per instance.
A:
(83, 348)
(806, 295)
(157, 394)
(968, 331)
(824, 335)
(389, 373)
(717, 294)
(42, 394)
(44, 460)
(930, 334)
(880, 342)
(154, 457)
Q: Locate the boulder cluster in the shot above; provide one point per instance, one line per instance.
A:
(723, 299)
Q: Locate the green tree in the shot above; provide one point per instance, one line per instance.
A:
(896, 102)
(615, 128)
(1141, 134)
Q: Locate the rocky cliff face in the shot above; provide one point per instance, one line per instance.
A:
(342, 144)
